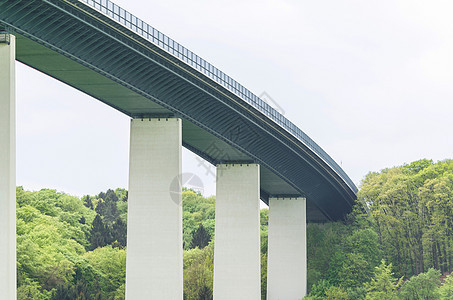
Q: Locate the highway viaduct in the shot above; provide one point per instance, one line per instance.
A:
(175, 99)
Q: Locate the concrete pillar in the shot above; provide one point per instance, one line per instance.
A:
(237, 233)
(154, 229)
(7, 170)
(287, 249)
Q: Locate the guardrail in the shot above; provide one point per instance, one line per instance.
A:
(140, 27)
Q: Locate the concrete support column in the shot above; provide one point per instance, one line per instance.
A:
(154, 229)
(7, 169)
(287, 249)
(237, 233)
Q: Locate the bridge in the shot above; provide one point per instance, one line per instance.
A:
(175, 99)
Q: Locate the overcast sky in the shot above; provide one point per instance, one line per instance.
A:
(370, 81)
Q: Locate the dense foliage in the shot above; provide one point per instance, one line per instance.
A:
(69, 248)
(399, 247)
(413, 209)
(396, 244)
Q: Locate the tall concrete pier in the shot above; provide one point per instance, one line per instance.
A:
(287, 249)
(237, 233)
(154, 228)
(7, 167)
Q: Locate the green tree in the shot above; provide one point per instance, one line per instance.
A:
(29, 290)
(200, 237)
(423, 286)
(355, 271)
(198, 273)
(383, 285)
(119, 232)
(99, 234)
(87, 202)
(111, 266)
(319, 290)
(413, 211)
(336, 293)
(446, 290)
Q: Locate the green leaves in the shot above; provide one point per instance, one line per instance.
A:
(111, 264)
(412, 206)
(383, 285)
(52, 231)
(197, 211)
(446, 290)
(198, 273)
(422, 287)
(408, 221)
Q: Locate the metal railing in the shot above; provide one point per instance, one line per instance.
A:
(159, 39)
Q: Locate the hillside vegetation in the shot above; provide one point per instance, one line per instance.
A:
(71, 248)
(399, 247)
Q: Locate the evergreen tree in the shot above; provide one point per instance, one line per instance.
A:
(110, 195)
(110, 212)
(87, 202)
(119, 232)
(101, 195)
(200, 237)
(100, 207)
(107, 207)
(99, 234)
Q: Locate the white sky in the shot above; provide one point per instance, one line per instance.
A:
(370, 81)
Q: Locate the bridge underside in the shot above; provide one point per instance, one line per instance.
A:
(87, 50)
(195, 139)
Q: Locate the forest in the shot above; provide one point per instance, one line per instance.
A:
(396, 244)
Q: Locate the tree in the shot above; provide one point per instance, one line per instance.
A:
(361, 255)
(198, 273)
(119, 232)
(71, 291)
(99, 235)
(100, 207)
(319, 290)
(413, 211)
(355, 271)
(110, 196)
(110, 212)
(29, 290)
(422, 287)
(336, 293)
(200, 237)
(383, 285)
(263, 276)
(110, 264)
(87, 202)
(446, 290)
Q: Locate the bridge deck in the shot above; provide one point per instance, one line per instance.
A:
(222, 121)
